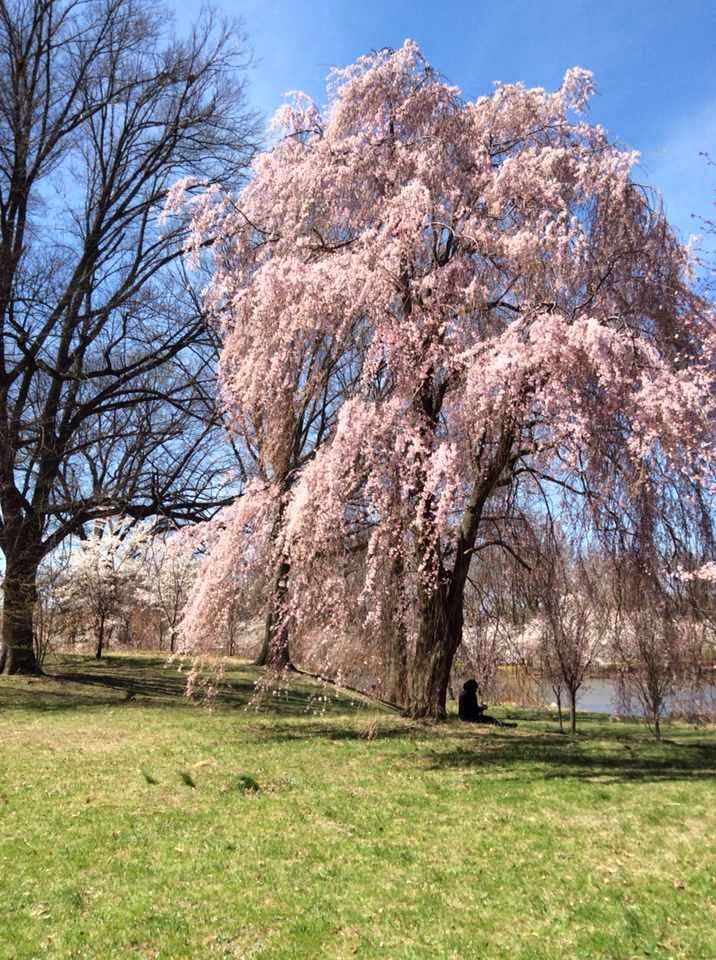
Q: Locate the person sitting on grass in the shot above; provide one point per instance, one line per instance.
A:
(471, 711)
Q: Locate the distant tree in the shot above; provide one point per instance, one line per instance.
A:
(106, 364)
(53, 616)
(500, 606)
(572, 625)
(105, 578)
(518, 318)
(646, 656)
(168, 571)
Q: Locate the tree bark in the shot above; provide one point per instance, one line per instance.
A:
(262, 656)
(275, 652)
(573, 710)
(100, 639)
(439, 635)
(657, 725)
(20, 590)
(558, 695)
(275, 645)
(440, 605)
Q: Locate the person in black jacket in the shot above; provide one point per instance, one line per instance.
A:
(468, 707)
(470, 710)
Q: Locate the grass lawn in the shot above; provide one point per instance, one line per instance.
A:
(131, 828)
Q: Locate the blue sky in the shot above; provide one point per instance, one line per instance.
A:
(654, 63)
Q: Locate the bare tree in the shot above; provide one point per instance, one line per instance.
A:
(646, 639)
(571, 624)
(648, 670)
(494, 615)
(51, 614)
(106, 365)
(550, 672)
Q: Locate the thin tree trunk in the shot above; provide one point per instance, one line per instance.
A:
(573, 710)
(100, 640)
(558, 696)
(657, 725)
(275, 645)
(20, 597)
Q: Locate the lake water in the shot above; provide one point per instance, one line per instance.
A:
(600, 696)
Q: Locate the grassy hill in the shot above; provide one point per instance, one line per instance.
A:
(138, 825)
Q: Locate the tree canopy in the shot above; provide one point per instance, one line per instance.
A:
(521, 334)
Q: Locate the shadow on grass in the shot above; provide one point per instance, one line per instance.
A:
(73, 682)
(601, 756)
(619, 758)
(325, 729)
(302, 712)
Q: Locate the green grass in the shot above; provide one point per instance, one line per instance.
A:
(137, 825)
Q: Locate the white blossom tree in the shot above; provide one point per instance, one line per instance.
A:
(105, 576)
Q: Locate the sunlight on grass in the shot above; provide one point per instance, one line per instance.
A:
(139, 825)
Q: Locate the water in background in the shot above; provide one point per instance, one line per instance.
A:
(600, 696)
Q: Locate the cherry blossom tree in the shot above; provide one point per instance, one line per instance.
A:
(104, 576)
(519, 327)
(284, 373)
(167, 572)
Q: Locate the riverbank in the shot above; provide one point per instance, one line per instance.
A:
(600, 694)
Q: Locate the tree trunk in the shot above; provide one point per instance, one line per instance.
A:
(20, 596)
(100, 639)
(262, 656)
(275, 646)
(657, 725)
(558, 696)
(440, 621)
(573, 710)
(275, 651)
(279, 657)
